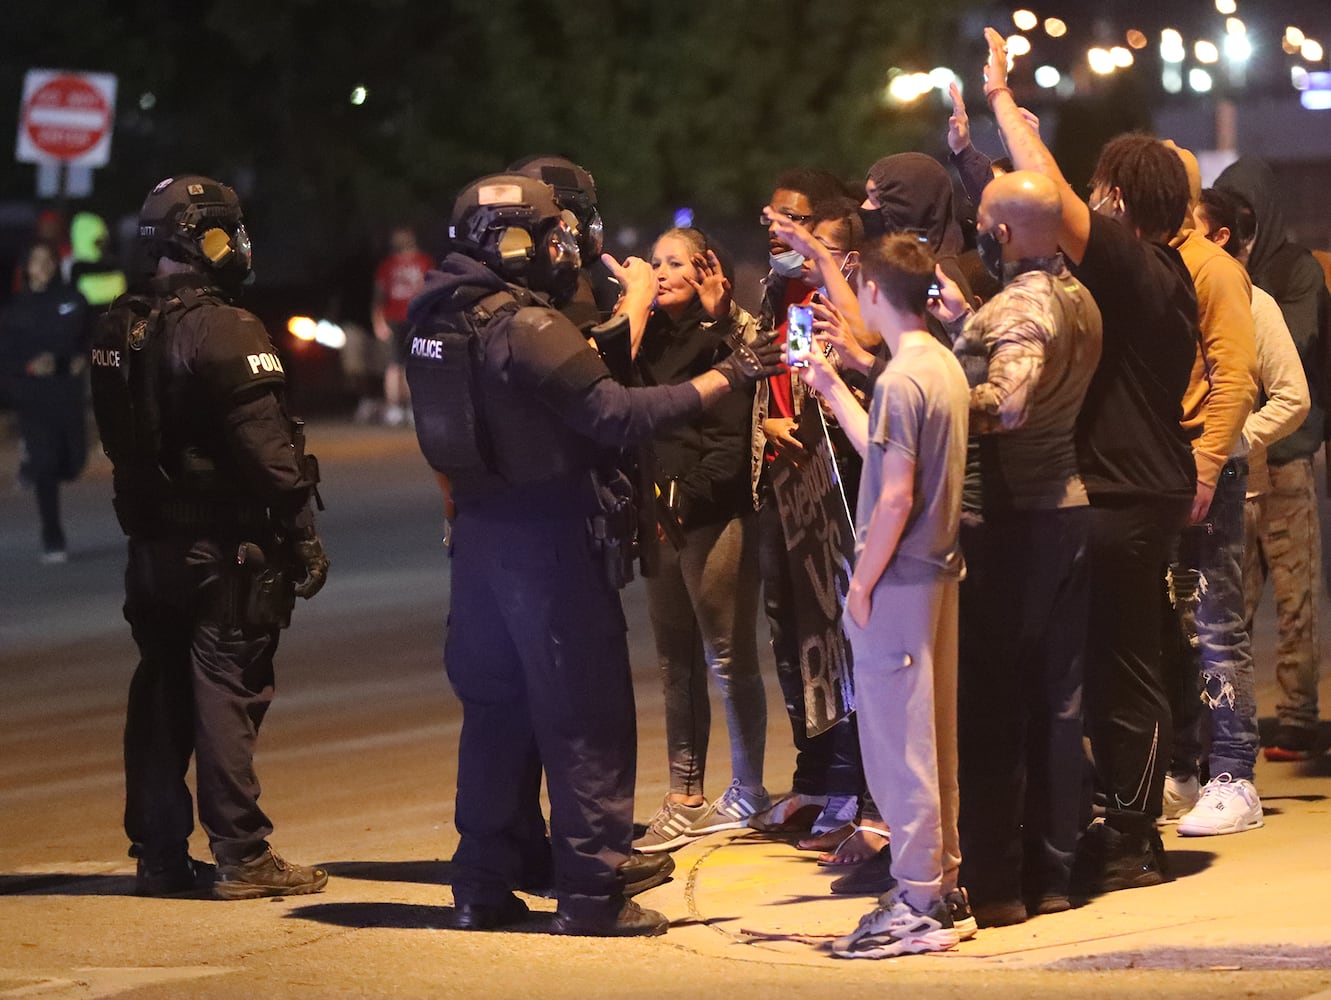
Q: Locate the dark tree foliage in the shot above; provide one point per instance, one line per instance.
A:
(666, 104)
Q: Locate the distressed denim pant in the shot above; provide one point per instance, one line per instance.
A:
(1209, 653)
(703, 602)
(1283, 541)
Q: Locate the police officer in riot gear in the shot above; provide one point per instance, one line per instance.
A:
(214, 490)
(524, 420)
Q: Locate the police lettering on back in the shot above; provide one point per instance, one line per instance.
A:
(266, 362)
(427, 348)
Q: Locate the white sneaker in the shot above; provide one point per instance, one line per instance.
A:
(897, 928)
(1180, 796)
(1227, 805)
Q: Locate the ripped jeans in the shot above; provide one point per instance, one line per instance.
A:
(1208, 652)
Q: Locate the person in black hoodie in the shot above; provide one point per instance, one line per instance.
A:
(1288, 537)
(43, 341)
(703, 599)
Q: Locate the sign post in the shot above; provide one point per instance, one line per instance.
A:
(65, 121)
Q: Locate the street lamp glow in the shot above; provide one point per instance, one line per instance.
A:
(1018, 45)
(1237, 48)
(1171, 77)
(1299, 77)
(1047, 77)
(1055, 27)
(1294, 36)
(1206, 52)
(1101, 61)
(1171, 46)
(1226, 6)
(1199, 80)
(941, 77)
(1234, 26)
(1312, 51)
(1136, 39)
(1121, 56)
(358, 95)
(1025, 20)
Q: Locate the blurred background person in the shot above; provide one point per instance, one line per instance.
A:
(43, 346)
(397, 279)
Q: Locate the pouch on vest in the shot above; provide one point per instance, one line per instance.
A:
(443, 367)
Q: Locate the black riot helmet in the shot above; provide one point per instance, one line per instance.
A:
(514, 225)
(197, 221)
(575, 190)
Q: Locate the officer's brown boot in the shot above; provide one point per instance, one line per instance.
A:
(267, 875)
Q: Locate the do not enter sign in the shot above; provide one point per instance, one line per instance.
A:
(66, 118)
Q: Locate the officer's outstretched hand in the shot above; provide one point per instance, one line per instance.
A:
(310, 552)
(748, 363)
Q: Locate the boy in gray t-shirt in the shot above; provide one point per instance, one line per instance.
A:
(901, 610)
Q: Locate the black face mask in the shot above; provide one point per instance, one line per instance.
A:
(991, 253)
(875, 225)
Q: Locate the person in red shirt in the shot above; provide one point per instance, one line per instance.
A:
(398, 278)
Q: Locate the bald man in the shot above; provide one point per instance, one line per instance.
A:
(1024, 601)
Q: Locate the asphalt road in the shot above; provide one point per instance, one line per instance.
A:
(357, 764)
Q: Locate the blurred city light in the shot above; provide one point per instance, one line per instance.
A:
(1171, 46)
(1047, 76)
(907, 87)
(322, 332)
(1121, 56)
(1171, 78)
(1206, 52)
(1101, 61)
(1018, 45)
(1237, 48)
(1137, 39)
(1312, 51)
(1025, 20)
(1234, 26)
(1294, 36)
(1226, 6)
(683, 218)
(1299, 77)
(1199, 80)
(147, 101)
(942, 77)
(358, 95)
(1055, 27)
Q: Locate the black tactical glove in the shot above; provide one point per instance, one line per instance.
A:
(310, 554)
(752, 362)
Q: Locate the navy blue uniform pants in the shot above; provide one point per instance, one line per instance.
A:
(201, 688)
(536, 652)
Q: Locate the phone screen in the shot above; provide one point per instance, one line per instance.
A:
(799, 334)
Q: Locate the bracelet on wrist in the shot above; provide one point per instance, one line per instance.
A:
(989, 92)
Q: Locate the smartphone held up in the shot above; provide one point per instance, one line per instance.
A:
(799, 335)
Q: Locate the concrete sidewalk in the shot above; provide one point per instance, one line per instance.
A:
(1245, 901)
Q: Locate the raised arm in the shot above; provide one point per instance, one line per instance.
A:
(1029, 152)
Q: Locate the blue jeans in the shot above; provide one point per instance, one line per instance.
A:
(1210, 655)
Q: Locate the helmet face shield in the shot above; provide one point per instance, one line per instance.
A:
(565, 252)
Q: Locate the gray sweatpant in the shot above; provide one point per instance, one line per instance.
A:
(906, 704)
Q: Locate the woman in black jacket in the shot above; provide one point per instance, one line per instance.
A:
(43, 345)
(704, 598)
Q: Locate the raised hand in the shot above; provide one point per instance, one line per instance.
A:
(792, 233)
(959, 124)
(830, 328)
(995, 70)
(634, 275)
(712, 286)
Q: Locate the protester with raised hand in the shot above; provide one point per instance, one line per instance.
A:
(1136, 463)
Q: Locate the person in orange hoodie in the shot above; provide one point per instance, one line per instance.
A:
(1210, 642)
